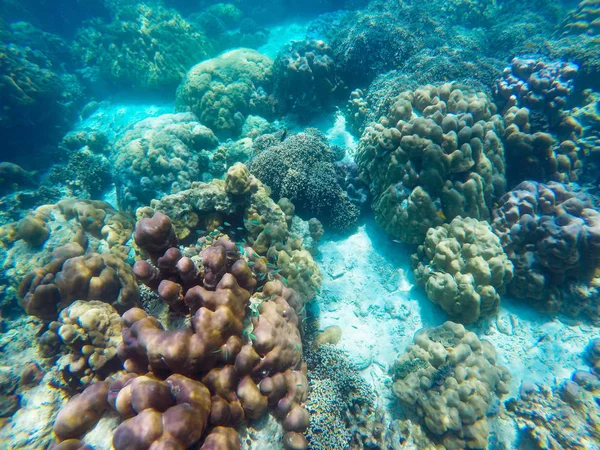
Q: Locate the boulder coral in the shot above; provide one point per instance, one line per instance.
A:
(435, 155)
(161, 155)
(223, 91)
(306, 78)
(463, 268)
(551, 234)
(448, 379)
(146, 47)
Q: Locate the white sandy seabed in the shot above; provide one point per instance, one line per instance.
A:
(368, 291)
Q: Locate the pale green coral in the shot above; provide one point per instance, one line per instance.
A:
(463, 268)
(224, 90)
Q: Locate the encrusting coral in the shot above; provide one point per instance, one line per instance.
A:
(437, 154)
(463, 268)
(224, 90)
(449, 379)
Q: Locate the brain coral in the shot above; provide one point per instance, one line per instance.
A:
(145, 46)
(435, 155)
(301, 168)
(463, 268)
(449, 379)
(306, 78)
(552, 236)
(160, 155)
(224, 90)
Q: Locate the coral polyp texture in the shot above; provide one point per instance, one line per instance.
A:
(240, 354)
(161, 155)
(241, 208)
(541, 136)
(583, 20)
(552, 236)
(435, 155)
(224, 90)
(449, 379)
(146, 47)
(463, 268)
(306, 78)
(301, 167)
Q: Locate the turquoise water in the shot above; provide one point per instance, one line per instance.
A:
(299, 225)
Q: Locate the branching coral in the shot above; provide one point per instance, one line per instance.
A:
(301, 168)
(463, 268)
(452, 386)
(435, 155)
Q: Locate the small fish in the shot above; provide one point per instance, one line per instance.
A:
(396, 241)
(220, 228)
(255, 222)
(214, 233)
(240, 229)
(285, 132)
(442, 215)
(227, 224)
(284, 279)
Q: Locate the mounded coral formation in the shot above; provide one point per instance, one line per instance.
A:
(161, 155)
(73, 275)
(242, 342)
(224, 90)
(551, 234)
(241, 206)
(145, 47)
(306, 79)
(541, 136)
(463, 268)
(301, 168)
(449, 379)
(91, 331)
(436, 155)
(583, 20)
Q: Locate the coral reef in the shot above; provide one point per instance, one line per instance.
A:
(541, 136)
(222, 91)
(449, 379)
(145, 46)
(583, 20)
(242, 342)
(306, 79)
(436, 155)
(91, 332)
(551, 234)
(463, 268)
(562, 416)
(241, 206)
(301, 168)
(160, 155)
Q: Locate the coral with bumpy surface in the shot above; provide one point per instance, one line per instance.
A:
(91, 331)
(552, 236)
(541, 136)
(434, 156)
(145, 47)
(240, 207)
(463, 268)
(583, 20)
(222, 91)
(242, 342)
(301, 168)
(449, 379)
(160, 155)
(306, 79)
